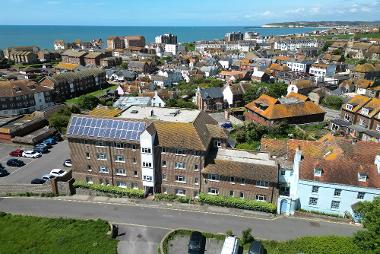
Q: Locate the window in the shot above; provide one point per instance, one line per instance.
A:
(121, 184)
(318, 172)
(87, 155)
(163, 163)
(164, 177)
(347, 117)
(179, 152)
(232, 193)
(217, 143)
(213, 177)
(196, 167)
(103, 170)
(180, 192)
(101, 156)
(89, 180)
(148, 178)
(242, 181)
(133, 147)
(213, 191)
(195, 194)
(241, 194)
(282, 172)
(335, 205)
(232, 179)
(360, 195)
(378, 127)
(196, 181)
(365, 111)
(180, 165)
(119, 158)
(164, 190)
(89, 169)
(164, 150)
(121, 172)
(362, 177)
(261, 183)
(180, 179)
(135, 174)
(313, 201)
(146, 150)
(315, 189)
(119, 145)
(100, 143)
(261, 198)
(349, 106)
(147, 164)
(134, 160)
(337, 192)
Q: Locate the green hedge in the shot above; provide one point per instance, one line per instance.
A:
(130, 193)
(171, 198)
(247, 204)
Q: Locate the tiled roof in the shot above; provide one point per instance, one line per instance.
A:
(276, 147)
(303, 83)
(74, 53)
(283, 111)
(364, 83)
(67, 66)
(357, 102)
(105, 112)
(365, 68)
(20, 87)
(373, 106)
(243, 170)
(298, 96)
(212, 92)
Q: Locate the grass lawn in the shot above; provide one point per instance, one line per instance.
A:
(96, 93)
(314, 245)
(26, 234)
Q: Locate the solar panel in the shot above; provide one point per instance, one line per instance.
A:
(105, 128)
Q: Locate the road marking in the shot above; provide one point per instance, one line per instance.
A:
(139, 225)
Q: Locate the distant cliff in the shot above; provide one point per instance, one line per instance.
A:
(322, 23)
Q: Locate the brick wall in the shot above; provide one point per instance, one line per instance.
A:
(23, 188)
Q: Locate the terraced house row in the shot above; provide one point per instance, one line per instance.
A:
(166, 150)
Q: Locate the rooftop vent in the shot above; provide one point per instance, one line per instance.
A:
(134, 111)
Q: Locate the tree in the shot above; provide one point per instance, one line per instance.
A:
(246, 236)
(61, 118)
(334, 102)
(88, 102)
(369, 238)
(124, 65)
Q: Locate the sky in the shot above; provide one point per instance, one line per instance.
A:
(182, 13)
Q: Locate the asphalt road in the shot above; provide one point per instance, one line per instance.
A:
(279, 228)
(34, 168)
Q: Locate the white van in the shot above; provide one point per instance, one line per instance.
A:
(231, 245)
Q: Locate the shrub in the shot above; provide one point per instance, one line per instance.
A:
(130, 193)
(171, 198)
(334, 102)
(229, 232)
(246, 236)
(237, 203)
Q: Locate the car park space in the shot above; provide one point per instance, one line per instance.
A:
(34, 167)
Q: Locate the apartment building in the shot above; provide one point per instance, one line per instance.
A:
(23, 96)
(73, 84)
(115, 42)
(166, 39)
(167, 150)
(74, 57)
(134, 42)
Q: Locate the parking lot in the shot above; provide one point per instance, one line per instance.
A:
(179, 245)
(34, 168)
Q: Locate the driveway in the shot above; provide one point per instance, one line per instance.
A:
(34, 168)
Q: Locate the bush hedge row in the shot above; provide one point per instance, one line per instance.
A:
(171, 198)
(237, 203)
(130, 193)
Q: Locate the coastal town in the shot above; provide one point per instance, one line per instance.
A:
(284, 126)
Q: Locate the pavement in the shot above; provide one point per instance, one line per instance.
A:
(34, 168)
(179, 245)
(331, 113)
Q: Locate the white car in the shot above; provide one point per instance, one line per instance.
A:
(58, 172)
(47, 177)
(31, 154)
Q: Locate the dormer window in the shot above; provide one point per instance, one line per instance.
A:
(349, 107)
(318, 172)
(362, 177)
(365, 111)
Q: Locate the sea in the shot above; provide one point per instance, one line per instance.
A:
(44, 36)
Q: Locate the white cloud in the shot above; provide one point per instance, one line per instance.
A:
(295, 11)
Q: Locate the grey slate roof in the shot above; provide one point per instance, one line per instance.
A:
(212, 93)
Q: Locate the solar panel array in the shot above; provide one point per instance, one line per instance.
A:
(105, 128)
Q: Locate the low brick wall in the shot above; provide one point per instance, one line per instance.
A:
(23, 188)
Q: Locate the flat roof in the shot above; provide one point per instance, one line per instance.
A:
(163, 114)
(260, 158)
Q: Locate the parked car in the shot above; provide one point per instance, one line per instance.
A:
(38, 181)
(1, 166)
(43, 145)
(197, 243)
(3, 172)
(256, 248)
(47, 177)
(50, 141)
(15, 163)
(58, 172)
(41, 149)
(67, 163)
(16, 153)
(31, 154)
